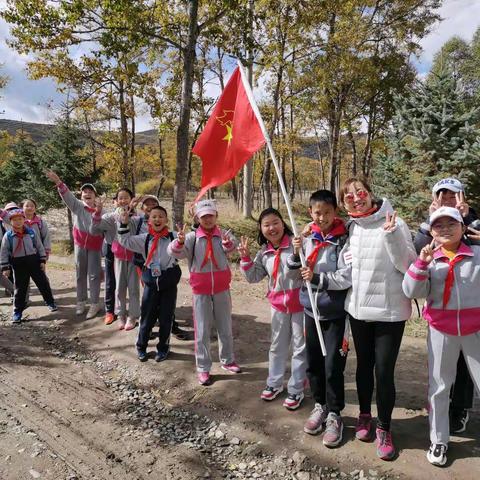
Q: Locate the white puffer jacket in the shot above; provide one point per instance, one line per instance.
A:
(379, 262)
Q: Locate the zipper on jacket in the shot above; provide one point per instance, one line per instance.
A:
(458, 308)
(358, 272)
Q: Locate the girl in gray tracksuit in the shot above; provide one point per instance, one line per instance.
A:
(287, 312)
(88, 247)
(126, 277)
(449, 278)
(206, 250)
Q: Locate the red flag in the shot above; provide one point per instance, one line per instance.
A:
(231, 136)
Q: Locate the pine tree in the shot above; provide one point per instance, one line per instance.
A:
(434, 135)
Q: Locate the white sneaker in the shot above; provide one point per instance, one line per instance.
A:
(130, 324)
(437, 454)
(80, 310)
(93, 310)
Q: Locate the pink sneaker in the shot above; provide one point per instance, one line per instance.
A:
(364, 428)
(385, 448)
(231, 367)
(121, 322)
(204, 378)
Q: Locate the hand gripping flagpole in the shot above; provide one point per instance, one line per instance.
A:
(249, 92)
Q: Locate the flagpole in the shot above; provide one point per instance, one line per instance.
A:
(249, 92)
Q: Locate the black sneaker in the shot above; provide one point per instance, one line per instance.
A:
(458, 421)
(52, 307)
(437, 454)
(179, 333)
(161, 356)
(142, 355)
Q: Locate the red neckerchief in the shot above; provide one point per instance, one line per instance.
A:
(20, 236)
(338, 228)
(276, 264)
(209, 255)
(365, 214)
(156, 237)
(89, 209)
(36, 219)
(447, 289)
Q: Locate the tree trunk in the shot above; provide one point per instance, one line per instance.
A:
(353, 146)
(180, 189)
(132, 144)
(161, 157)
(123, 133)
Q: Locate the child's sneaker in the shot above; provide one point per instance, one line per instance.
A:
(142, 355)
(130, 324)
(385, 448)
(316, 420)
(52, 307)
(121, 322)
(364, 428)
(93, 311)
(437, 454)
(231, 367)
(293, 401)
(204, 378)
(80, 310)
(333, 431)
(161, 355)
(109, 318)
(458, 421)
(270, 393)
(17, 317)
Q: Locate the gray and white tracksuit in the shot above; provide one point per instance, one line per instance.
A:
(287, 313)
(4, 281)
(126, 276)
(453, 314)
(88, 247)
(210, 281)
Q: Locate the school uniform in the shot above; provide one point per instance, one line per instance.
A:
(87, 247)
(5, 282)
(287, 312)
(210, 278)
(160, 276)
(24, 254)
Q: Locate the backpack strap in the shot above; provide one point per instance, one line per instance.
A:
(139, 226)
(147, 241)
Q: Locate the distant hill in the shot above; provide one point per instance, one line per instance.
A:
(37, 131)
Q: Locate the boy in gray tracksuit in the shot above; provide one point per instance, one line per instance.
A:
(206, 250)
(88, 247)
(23, 252)
(160, 276)
(448, 276)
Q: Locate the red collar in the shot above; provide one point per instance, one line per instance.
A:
(200, 232)
(285, 243)
(463, 250)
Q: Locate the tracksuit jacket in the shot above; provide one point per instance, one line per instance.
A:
(287, 312)
(452, 309)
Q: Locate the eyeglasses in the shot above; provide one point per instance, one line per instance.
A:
(445, 226)
(350, 196)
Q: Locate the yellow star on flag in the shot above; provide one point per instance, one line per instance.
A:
(226, 120)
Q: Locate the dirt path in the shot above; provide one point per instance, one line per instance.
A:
(75, 403)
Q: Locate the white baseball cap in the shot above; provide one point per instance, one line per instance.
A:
(451, 184)
(446, 212)
(205, 207)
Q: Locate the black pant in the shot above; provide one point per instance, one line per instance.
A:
(377, 345)
(325, 374)
(461, 393)
(156, 304)
(109, 281)
(25, 268)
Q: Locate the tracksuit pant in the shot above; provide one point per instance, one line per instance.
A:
(25, 268)
(286, 330)
(461, 394)
(126, 281)
(88, 265)
(325, 374)
(109, 280)
(443, 353)
(209, 310)
(377, 345)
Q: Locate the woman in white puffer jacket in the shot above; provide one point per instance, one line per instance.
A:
(377, 254)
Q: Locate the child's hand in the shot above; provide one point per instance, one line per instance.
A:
(243, 250)
(475, 235)
(390, 222)
(134, 202)
(226, 237)
(461, 205)
(53, 177)
(436, 203)
(307, 230)
(181, 233)
(98, 206)
(42, 267)
(426, 253)
(297, 244)
(306, 273)
(6, 273)
(124, 216)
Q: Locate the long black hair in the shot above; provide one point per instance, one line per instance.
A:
(270, 211)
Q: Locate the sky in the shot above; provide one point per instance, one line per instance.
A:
(37, 101)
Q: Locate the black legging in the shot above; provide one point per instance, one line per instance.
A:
(377, 345)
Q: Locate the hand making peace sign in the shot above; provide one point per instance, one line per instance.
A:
(426, 253)
(53, 177)
(390, 222)
(475, 235)
(181, 233)
(243, 247)
(461, 205)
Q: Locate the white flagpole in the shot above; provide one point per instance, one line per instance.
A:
(249, 92)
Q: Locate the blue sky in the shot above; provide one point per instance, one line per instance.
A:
(37, 101)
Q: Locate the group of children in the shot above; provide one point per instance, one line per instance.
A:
(363, 274)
